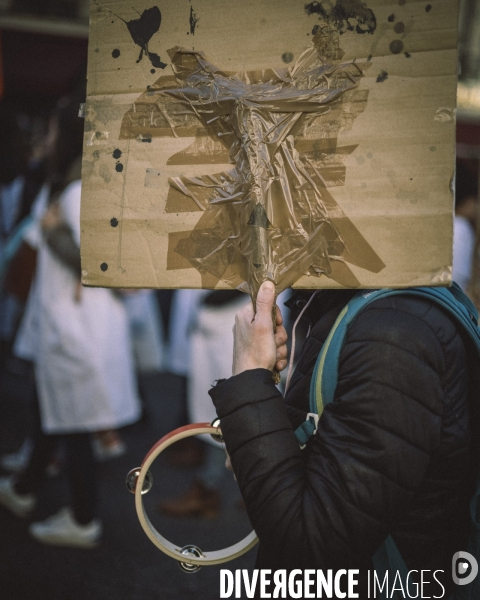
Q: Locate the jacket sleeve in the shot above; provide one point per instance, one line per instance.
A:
(371, 451)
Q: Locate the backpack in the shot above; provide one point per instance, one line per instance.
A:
(322, 390)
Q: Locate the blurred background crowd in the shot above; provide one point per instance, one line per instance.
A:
(91, 378)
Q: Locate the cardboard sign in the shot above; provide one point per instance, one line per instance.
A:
(311, 144)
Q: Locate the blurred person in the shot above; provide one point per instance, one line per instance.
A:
(146, 332)
(464, 224)
(146, 329)
(79, 341)
(207, 318)
(13, 167)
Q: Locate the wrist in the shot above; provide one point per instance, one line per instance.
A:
(249, 365)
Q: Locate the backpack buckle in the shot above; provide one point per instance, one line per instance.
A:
(315, 417)
(310, 433)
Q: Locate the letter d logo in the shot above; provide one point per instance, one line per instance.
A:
(462, 563)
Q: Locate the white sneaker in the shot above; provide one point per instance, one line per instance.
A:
(62, 530)
(17, 461)
(20, 504)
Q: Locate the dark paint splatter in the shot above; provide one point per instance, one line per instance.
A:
(98, 134)
(345, 15)
(399, 27)
(316, 8)
(152, 71)
(287, 57)
(114, 222)
(391, 18)
(407, 55)
(142, 30)
(382, 76)
(193, 20)
(116, 53)
(97, 49)
(369, 58)
(104, 267)
(117, 153)
(396, 46)
(119, 167)
(428, 8)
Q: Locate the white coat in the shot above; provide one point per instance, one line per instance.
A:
(81, 349)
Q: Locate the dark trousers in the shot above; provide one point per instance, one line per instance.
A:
(80, 469)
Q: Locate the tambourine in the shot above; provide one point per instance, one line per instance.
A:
(139, 482)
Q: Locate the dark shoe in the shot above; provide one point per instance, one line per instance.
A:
(186, 453)
(198, 501)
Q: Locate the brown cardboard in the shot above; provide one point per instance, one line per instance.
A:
(384, 155)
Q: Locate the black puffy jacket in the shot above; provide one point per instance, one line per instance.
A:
(393, 453)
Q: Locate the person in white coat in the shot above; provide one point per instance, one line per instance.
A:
(79, 341)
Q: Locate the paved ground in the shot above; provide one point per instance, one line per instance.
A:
(126, 566)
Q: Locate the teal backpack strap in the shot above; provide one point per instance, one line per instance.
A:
(325, 372)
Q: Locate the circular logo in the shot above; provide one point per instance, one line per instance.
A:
(464, 568)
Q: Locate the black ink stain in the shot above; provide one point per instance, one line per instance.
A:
(152, 71)
(399, 27)
(145, 137)
(428, 8)
(98, 134)
(119, 167)
(407, 55)
(382, 76)
(104, 267)
(345, 15)
(117, 153)
(193, 20)
(142, 30)
(113, 222)
(396, 46)
(116, 53)
(369, 58)
(391, 18)
(287, 57)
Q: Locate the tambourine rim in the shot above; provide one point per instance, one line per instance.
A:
(214, 557)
